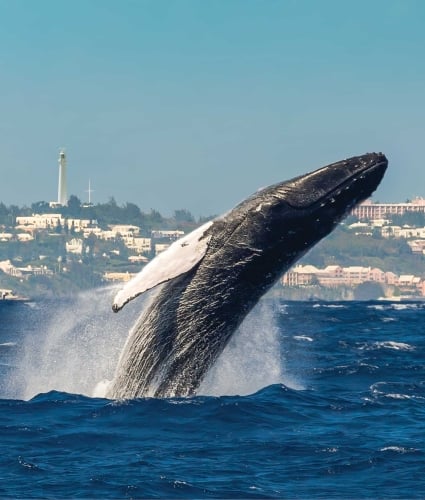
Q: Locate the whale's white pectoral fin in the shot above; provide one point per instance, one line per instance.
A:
(179, 258)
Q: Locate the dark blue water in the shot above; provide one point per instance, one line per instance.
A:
(333, 406)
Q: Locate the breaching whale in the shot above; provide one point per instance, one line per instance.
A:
(211, 278)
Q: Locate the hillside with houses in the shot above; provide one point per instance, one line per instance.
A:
(48, 251)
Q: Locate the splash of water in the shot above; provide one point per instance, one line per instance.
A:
(78, 344)
(253, 359)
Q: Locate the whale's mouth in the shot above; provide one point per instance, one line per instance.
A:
(342, 184)
(355, 189)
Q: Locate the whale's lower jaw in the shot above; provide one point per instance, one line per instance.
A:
(231, 262)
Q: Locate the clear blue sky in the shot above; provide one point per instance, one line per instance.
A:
(196, 104)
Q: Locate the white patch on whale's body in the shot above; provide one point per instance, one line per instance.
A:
(179, 258)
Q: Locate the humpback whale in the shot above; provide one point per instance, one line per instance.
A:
(209, 280)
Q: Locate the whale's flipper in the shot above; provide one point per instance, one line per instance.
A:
(179, 258)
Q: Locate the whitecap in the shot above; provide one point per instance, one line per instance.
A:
(399, 449)
(397, 396)
(333, 449)
(303, 337)
(377, 307)
(397, 346)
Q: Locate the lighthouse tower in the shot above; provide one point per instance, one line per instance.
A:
(62, 194)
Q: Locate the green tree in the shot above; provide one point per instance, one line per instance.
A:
(73, 210)
(414, 219)
(40, 207)
(4, 214)
(131, 214)
(183, 216)
(151, 220)
(368, 291)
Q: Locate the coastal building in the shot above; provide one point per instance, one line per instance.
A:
(160, 247)
(75, 246)
(24, 237)
(140, 245)
(125, 229)
(170, 235)
(351, 276)
(368, 210)
(138, 259)
(78, 225)
(95, 230)
(300, 276)
(39, 221)
(23, 272)
(406, 232)
(116, 276)
(8, 268)
(417, 246)
(6, 236)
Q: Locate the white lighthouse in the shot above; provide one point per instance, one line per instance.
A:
(62, 194)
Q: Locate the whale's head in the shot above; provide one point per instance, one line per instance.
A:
(340, 185)
(288, 218)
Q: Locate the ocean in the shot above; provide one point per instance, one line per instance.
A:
(309, 400)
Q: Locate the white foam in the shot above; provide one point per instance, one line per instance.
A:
(399, 449)
(77, 346)
(303, 337)
(397, 346)
(101, 388)
(252, 359)
(76, 350)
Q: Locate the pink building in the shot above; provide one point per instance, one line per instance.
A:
(334, 276)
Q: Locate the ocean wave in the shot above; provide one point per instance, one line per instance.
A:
(330, 306)
(349, 369)
(398, 390)
(303, 337)
(387, 344)
(354, 431)
(397, 306)
(397, 346)
(399, 449)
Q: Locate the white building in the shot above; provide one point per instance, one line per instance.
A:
(140, 245)
(39, 221)
(160, 247)
(171, 235)
(79, 224)
(74, 246)
(124, 229)
(370, 210)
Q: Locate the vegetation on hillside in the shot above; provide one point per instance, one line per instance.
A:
(345, 248)
(71, 273)
(105, 214)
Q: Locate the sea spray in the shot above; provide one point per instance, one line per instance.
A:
(76, 345)
(253, 359)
